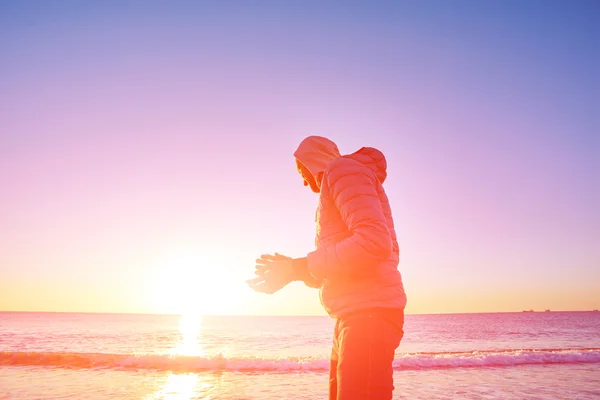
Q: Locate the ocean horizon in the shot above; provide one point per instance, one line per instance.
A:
(280, 315)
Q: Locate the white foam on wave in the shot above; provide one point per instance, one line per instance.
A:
(497, 358)
(220, 363)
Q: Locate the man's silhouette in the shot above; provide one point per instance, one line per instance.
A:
(355, 266)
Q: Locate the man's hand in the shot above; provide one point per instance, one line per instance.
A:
(274, 272)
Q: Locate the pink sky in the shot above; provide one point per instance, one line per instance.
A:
(146, 153)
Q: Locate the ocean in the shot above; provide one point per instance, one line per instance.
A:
(525, 355)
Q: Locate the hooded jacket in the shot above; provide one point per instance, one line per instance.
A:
(356, 258)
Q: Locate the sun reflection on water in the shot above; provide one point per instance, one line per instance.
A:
(178, 387)
(186, 386)
(190, 344)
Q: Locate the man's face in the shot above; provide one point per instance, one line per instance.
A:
(309, 180)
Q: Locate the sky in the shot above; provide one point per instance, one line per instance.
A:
(146, 149)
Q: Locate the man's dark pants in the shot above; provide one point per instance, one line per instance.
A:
(362, 355)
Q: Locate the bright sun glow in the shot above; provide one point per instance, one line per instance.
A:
(194, 283)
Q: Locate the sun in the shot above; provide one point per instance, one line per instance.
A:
(194, 282)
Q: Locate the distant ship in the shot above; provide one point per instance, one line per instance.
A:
(546, 310)
(527, 310)
(595, 310)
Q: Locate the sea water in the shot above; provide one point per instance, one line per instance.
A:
(530, 355)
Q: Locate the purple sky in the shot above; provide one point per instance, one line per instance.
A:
(140, 141)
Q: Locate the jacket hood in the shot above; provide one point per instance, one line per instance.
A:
(316, 152)
(373, 159)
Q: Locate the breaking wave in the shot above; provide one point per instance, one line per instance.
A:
(180, 363)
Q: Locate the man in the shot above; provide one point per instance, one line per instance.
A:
(355, 265)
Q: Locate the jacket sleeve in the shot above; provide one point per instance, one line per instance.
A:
(312, 282)
(353, 188)
(301, 273)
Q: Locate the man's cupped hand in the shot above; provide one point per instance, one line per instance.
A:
(274, 272)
